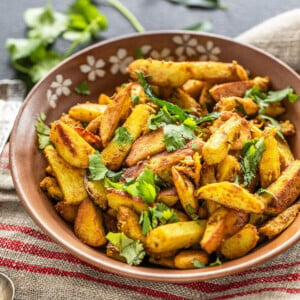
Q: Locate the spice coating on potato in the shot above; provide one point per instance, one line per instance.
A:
(185, 259)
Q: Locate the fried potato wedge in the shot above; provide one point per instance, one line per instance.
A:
(118, 198)
(65, 118)
(243, 106)
(175, 74)
(168, 196)
(238, 88)
(162, 163)
(51, 187)
(193, 87)
(240, 243)
(67, 211)
(88, 224)
(228, 169)
(219, 143)
(185, 190)
(94, 125)
(90, 138)
(279, 223)
(146, 146)
(215, 230)
(231, 195)
(175, 236)
(167, 262)
(97, 192)
(285, 154)
(70, 145)
(69, 178)
(284, 191)
(86, 112)
(115, 153)
(185, 259)
(115, 112)
(269, 165)
(128, 223)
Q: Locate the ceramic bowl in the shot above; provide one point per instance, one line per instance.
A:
(103, 67)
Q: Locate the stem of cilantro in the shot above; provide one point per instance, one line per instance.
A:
(80, 38)
(127, 14)
(21, 68)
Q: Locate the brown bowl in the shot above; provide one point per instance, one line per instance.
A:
(103, 67)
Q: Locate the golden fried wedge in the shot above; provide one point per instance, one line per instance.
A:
(175, 236)
(241, 243)
(88, 224)
(280, 222)
(284, 191)
(175, 74)
(219, 143)
(115, 112)
(70, 179)
(70, 145)
(115, 153)
(231, 195)
(146, 146)
(185, 259)
(86, 112)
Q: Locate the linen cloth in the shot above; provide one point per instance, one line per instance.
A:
(41, 269)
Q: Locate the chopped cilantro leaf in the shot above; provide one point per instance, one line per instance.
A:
(175, 136)
(208, 118)
(122, 136)
(198, 264)
(135, 99)
(251, 155)
(82, 88)
(262, 190)
(43, 132)
(132, 250)
(217, 262)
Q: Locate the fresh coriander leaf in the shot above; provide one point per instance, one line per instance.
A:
(172, 108)
(200, 3)
(145, 222)
(97, 169)
(112, 184)
(122, 136)
(274, 123)
(132, 250)
(44, 23)
(159, 181)
(114, 176)
(175, 136)
(43, 132)
(207, 118)
(198, 264)
(292, 97)
(44, 65)
(251, 155)
(163, 117)
(82, 88)
(138, 53)
(277, 96)
(236, 180)
(190, 122)
(240, 107)
(262, 190)
(135, 100)
(204, 26)
(192, 213)
(217, 262)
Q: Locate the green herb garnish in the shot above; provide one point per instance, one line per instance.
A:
(132, 250)
(43, 132)
(82, 88)
(122, 136)
(251, 155)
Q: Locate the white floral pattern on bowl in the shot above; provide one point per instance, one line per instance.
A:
(186, 46)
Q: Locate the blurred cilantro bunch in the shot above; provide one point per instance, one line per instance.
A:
(34, 55)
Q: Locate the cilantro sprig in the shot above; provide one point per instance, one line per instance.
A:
(132, 250)
(34, 55)
(160, 214)
(43, 132)
(122, 136)
(143, 186)
(251, 155)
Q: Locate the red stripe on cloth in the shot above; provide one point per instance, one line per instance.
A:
(39, 251)
(54, 271)
(27, 230)
(208, 287)
(4, 165)
(279, 289)
(267, 269)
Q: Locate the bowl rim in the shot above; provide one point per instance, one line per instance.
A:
(139, 272)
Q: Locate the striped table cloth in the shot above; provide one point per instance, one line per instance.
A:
(41, 269)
